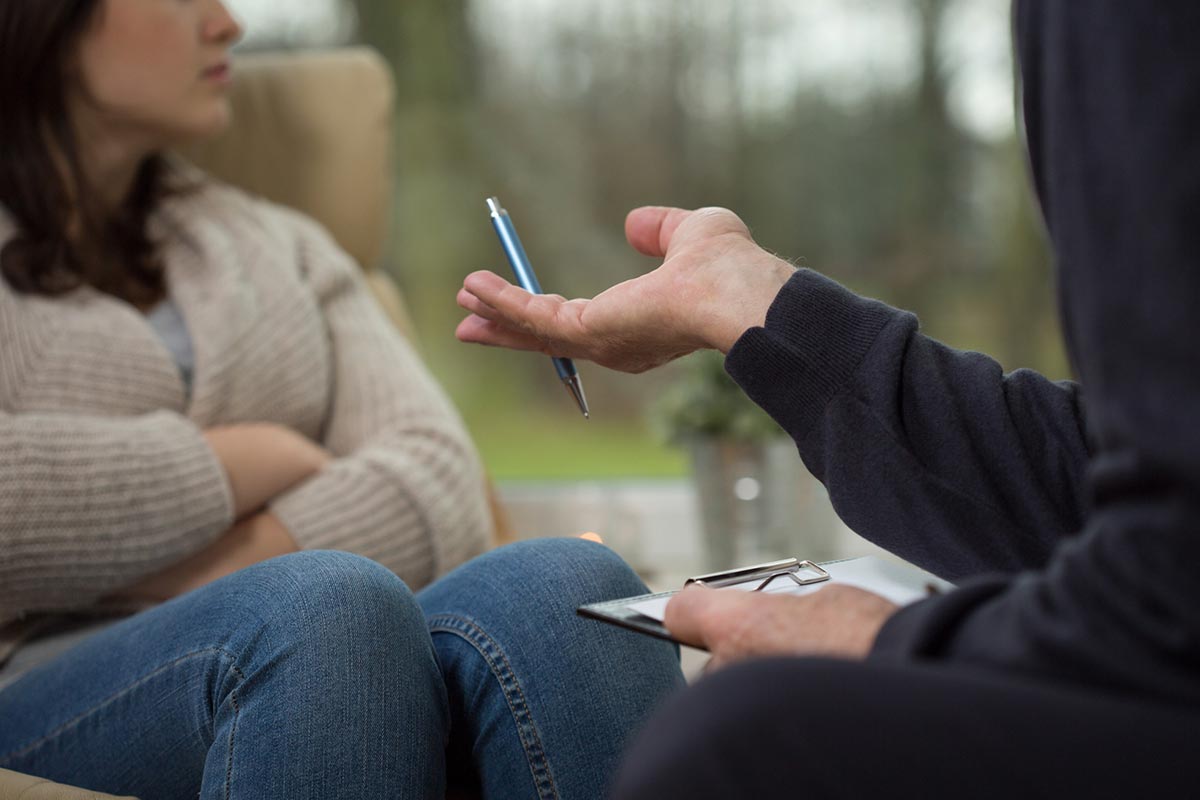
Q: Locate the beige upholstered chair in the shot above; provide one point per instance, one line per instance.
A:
(312, 130)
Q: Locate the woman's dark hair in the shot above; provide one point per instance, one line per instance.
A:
(65, 239)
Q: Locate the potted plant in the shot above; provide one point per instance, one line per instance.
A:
(756, 500)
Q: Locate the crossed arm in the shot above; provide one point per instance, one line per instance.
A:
(261, 462)
(152, 506)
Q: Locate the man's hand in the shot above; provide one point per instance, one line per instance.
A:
(837, 621)
(713, 285)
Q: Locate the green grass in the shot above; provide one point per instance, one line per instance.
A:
(524, 436)
(553, 447)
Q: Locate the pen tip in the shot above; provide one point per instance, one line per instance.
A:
(575, 387)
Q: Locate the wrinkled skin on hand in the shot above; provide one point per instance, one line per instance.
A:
(713, 284)
(837, 621)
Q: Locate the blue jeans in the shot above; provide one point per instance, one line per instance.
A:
(320, 675)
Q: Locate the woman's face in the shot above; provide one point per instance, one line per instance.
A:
(158, 70)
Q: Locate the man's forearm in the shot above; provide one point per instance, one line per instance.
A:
(933, 453)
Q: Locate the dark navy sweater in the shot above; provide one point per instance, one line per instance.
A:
(1069, 513)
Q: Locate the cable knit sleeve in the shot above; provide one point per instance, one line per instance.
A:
(89, 505)
(406, 488)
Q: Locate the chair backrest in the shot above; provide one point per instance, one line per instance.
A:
(313, 130)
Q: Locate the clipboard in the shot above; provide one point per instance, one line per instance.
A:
(900, 583)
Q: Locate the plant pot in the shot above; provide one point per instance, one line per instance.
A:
(757, 503)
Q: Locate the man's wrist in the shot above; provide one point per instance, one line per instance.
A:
(738, 314)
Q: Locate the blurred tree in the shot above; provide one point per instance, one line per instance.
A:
(439, 180)
(931, 154)
(430, 44)
(599, 106)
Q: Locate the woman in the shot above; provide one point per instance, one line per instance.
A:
(193, 382)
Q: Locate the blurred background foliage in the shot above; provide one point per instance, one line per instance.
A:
(872, 140)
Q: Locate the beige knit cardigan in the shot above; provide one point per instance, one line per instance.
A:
(104, 475)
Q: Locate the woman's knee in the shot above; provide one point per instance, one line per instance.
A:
(331, 642)
(333, 597)
(553, 571)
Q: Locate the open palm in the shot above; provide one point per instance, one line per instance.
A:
(714, 283)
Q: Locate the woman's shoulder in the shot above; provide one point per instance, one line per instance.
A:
(213, 217)
(198, 197)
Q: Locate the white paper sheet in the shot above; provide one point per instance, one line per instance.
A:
(900, 583)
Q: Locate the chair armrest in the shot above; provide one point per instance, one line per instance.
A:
(26, 787)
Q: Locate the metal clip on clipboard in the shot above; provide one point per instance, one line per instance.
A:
(899, 583)
(803, 573)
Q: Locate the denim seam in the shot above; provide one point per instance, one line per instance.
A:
(237, 715)
(74, 721)
(497, 660)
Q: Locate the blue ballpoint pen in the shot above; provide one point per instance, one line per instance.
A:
(529, 282)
